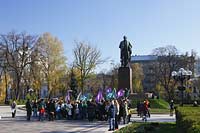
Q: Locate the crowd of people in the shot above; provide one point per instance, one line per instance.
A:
(114, 111)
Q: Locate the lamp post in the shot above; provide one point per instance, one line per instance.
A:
(181, 76)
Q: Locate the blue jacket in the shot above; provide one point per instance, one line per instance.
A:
(112, 111)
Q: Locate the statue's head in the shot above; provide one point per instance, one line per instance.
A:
(125, 38)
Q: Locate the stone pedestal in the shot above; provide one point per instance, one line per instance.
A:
(125, 78)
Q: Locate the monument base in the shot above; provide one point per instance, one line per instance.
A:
(125, 78)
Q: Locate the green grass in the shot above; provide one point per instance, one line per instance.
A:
(155, 111)
(159, 103)
(157, 106)
(149, 128)
(159, 111)
(154, 103)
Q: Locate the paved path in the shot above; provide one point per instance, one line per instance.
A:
(20, 125)
(62, 126)
(155, 118)
(5, 111)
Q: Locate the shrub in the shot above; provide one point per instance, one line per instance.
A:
(194, 129)
(163, 127)
(188, 119)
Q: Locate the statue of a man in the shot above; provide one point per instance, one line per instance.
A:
(126, 51)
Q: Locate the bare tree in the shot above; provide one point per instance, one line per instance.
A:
(18, 48)
(86, 60)
(168, 61)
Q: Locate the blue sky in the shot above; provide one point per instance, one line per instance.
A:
(148, 24)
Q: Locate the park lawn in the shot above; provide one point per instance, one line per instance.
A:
(154, 103)
(157, 106)
(154, 111)
(165, 127)
(159, 111)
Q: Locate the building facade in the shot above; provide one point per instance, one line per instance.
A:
(149, 82)
(147, 62)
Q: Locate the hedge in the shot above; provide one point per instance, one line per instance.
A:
(164, 127)
(188, 119)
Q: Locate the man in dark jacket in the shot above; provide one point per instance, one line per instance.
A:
(52, 110)
(111, 112)
(171, 107)
(28, 109)
(91, 110)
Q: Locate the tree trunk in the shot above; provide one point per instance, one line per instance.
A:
(6, 97)
(17, 93)
(168, 94)
(82, 85)
(49, 89)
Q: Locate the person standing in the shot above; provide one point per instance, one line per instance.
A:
(144, 111)
(116, 114)
(13, 108)
(28, 110)
(41, 109)
(77, 111)
(69, 110)
(51, 110)
(138, 108)
(125, 111)
(58, 110)
(147, 106)
(91, 110)
(129, 112)
(171, 105)
(35, 108)
(84, 110)
(111, 112)
(80, 107)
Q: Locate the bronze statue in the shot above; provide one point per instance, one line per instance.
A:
(125, 48)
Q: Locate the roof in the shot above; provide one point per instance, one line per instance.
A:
(143, 58)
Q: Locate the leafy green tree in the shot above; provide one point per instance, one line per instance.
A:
(113, 72)
(137, 77)
(159, 90)
(36, 77)
(52, 61)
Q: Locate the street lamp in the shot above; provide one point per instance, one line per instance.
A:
(181, 75)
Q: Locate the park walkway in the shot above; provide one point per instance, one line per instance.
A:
(20, 125)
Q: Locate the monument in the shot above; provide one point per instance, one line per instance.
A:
(125, 71)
